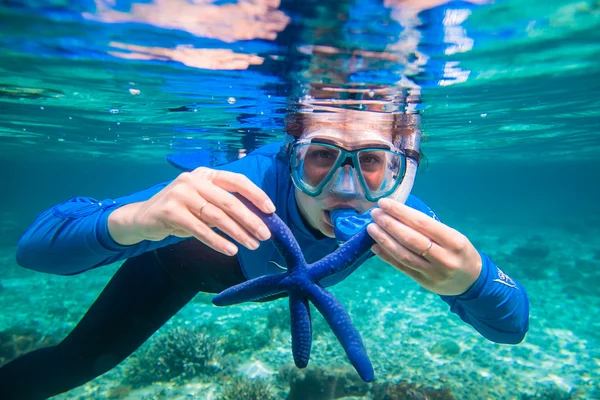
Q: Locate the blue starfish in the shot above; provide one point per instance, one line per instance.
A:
(301, 282)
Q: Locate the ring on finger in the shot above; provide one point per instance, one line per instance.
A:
(202, 207)
(426, 251)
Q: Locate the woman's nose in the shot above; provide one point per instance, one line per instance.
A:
(345, 183)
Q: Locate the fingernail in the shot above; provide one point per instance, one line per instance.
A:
(269, 206)
(372, 229)
(252, 244)
(231, 249)
(385, 203)
(263, 233)
(376, 212)
(375, 250)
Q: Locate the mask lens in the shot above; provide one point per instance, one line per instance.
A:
(380, 170)
(314, 164)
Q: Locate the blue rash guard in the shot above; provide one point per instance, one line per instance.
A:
(73, 237)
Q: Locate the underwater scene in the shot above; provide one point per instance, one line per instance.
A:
(100, 99)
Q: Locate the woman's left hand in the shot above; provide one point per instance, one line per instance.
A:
(438, 257)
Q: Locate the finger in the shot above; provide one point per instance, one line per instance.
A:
(239, 183)
(387, 257)
(198, 229)
(215, 217)
(405, 235)
(399, 253)
(234, 208)
(429, 227)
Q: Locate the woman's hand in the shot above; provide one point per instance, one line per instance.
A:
(438, 257)
(193, 204)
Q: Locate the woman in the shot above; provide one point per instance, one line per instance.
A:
(183, 236)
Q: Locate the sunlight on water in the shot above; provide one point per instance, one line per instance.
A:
(508, 65)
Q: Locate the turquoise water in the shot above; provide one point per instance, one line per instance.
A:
(94, 96)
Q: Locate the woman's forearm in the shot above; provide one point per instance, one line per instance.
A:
(75, 236)
(496, 305)
(121, 227)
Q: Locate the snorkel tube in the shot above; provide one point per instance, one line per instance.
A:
(411, 144)
(347, 222)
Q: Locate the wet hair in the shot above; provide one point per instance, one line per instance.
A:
(397, 126)
(394, 125)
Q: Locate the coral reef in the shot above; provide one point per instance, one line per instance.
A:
(403, 390)
(445, 347)
(248, 389)
(278, 319)
(581, 277)
(17, 341)
(278, 322)
(241, 336)
(317, 383)
(119, 392)
(533, 248)
(528, 260)
(549, 393)
(179, 354)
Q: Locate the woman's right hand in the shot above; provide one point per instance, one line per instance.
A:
(193, 204)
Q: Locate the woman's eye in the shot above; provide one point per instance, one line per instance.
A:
(369, 160)
(321, 154)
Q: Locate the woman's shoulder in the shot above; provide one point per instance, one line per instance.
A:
(262, 162)
(269, 150)
(190, 160)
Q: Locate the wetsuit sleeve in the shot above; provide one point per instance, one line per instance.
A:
(495, 305)
(73, 236)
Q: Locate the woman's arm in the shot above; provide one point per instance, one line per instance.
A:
(496, 305)
(84, 233)
(412, 239)
(73, 236)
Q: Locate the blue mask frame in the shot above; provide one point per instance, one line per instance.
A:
(350, 157)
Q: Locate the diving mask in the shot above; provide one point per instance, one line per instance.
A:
(320, 165)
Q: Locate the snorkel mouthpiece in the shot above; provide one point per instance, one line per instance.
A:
(347, 222)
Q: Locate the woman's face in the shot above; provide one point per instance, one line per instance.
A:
(316, 210)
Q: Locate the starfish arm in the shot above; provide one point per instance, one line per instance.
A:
(344, 257)
(281, 235)
(341, 325)
(252, 290)
(301, 329)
